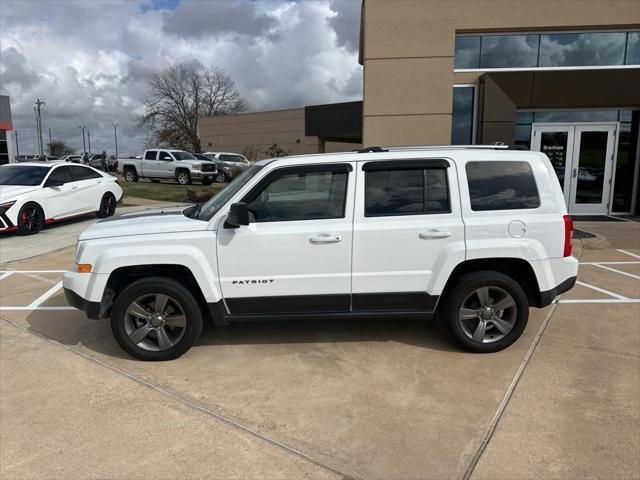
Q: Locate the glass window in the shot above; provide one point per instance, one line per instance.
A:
(60, 174)
(626, 164)
(22, 175)
(301, 196)
(182, 156)
(633, 49)
(164, 156)
(509, 51)
(462, 116)
(232, 158)
(406, 192)
(523, 135)
(576, 116)
(501, 186)
(467, 52)
(150, 155)
(215, 203)
(580, 49)
(81, 173)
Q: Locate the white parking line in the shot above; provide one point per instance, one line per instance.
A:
(5, 275)
(601, 300)
(628, 253)
(32, 271)
(42, 298)
(610, 263)
(602, 290)
(22, 309)
(626, 274)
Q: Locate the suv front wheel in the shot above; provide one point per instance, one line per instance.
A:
(486, 311)
(156, 318)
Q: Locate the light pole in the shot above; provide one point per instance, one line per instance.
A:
(84, 145)
(115, 137)
(17, 147)
(89, 139)
(39, 104)
(50, 143)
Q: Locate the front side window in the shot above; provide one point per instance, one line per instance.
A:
(60, 174)
(232, 158)
(501, 186)
(301, 194)
(183, 156)
(411, 191)
(219, 200)
(164, 156)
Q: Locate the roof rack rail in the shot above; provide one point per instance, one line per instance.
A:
(372, 149)
(448, 147)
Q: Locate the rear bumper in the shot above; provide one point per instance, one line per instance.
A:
(547, 297)
(91, 309)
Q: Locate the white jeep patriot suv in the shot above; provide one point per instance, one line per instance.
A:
(475, 234)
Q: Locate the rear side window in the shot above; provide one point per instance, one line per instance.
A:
(232, 158)
(501, 186)
(82, 173)
(406, 192)
(150, 155)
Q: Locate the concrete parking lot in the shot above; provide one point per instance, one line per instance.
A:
(356, 399)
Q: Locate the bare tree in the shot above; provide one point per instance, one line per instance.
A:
(180, 95)
(58, 148)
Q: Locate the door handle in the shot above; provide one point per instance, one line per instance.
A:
(574, 173)
(326, 238)
(73, 187)
(433, 234)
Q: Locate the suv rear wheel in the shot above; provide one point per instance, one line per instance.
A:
(486, 311)
(156, 318)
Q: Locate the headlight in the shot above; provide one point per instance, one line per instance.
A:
(6, 206)
(196, 166)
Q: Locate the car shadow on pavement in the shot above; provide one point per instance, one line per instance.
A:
(72, 328)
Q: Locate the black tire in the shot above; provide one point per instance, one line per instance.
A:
(155, 181)
(206, 183)
(183, 177)
(30, 219)
(463, 291)
(150, 286)
(107, 206)
(221, 177)
(130, 174)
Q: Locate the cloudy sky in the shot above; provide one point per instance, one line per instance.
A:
(89, 59)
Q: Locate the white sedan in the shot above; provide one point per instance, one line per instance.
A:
(34, 194)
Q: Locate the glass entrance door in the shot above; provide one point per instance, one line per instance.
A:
(582, 156)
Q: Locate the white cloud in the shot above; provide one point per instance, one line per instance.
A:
(89, 60)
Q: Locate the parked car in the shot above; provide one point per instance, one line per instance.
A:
(95, 161)
(34, 194)
(475, 234)
(158, 164)
(229, 164)
(71, 158)
(222, 172)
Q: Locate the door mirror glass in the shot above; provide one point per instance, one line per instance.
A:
(238, 215)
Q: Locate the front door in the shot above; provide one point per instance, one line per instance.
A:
(295, 255)
(582, 156)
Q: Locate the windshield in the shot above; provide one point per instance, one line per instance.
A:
(183, 156)
(215, 203)
(22, 174)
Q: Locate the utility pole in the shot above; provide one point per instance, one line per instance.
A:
(50, 143)
(89, 138)
(84, 145)
(115, 137)
(38, 111)
(17, 147)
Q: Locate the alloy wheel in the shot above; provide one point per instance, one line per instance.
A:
(487, 314)
(29, 219)
(155, 322)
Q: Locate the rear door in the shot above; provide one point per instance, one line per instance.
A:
(295, 256)
(149, 163)
(88, 191)
(407, 230)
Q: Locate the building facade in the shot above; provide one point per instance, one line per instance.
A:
(6, 130)
(562, 77)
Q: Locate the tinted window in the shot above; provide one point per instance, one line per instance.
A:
(232, 158)
(22, 175)
(462, 116)
(301, 196)
(633, 49)
(509, 51)
(576, 49)
(150, 155)
(501, 186)
(82, 173)
(60, 174)
(164, 156)
(406, 192)
(467, 52)
(183, 156)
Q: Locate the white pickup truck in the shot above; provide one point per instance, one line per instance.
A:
(159, 164)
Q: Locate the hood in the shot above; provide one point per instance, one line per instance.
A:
(144, 222)
(7, 192)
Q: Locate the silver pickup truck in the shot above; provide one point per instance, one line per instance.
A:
(161, 164)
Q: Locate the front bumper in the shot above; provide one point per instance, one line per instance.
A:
(203, 175)
(91, 309)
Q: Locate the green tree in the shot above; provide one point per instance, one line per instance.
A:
(58, 148)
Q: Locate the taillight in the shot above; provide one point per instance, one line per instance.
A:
(568, 233)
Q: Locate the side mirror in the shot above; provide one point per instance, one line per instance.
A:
(53, 183)
(238, 215)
